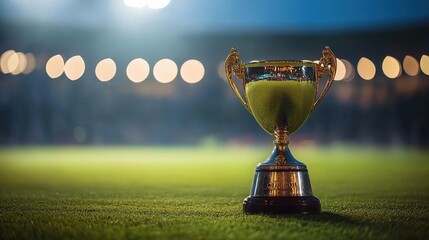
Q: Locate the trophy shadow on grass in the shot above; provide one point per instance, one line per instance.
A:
(327, 217)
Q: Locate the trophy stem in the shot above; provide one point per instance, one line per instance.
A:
(281, 142)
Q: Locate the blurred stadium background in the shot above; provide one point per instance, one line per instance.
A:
(171, 150)
(69, 73)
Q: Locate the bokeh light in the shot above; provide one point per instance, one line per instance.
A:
(221, 71)
(22, 63)
(411, 66)
(55, 66)
(105, 70)
(391, 67)
(31, 63)
(135, 3)
(350, 71)
(165, 70)
(138, 70)
(424, 64)
(157, 4)
(13, 63)
(74, 67)
(4, 61)
(192, 71)
(366, 69)
(341, 71)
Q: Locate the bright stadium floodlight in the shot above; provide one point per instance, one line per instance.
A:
(165, 70)
(341, 70)
(424, 64)
(192, 71)
(22, 63)
(158, 4)
(55, 66)
(135, 3)
(366, 69)
(105, 70)
(13, 63)
(74, 68)
(391, 67)
(138, 70)
(411, 66)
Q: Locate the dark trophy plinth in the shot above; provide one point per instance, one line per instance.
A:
(278, 189)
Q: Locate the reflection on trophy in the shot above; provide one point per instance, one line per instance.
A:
(281, 94)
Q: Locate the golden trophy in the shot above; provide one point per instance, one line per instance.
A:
(281, 94)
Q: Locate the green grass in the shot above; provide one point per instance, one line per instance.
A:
(197, 192)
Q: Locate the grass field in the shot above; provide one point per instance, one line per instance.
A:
(197, 192)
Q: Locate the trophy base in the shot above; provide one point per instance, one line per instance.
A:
(281, 205)
(281, 188)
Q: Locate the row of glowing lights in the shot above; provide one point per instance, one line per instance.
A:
(164, 71)
(191, 71)
(391, 67)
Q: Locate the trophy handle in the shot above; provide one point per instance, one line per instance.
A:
(327, 62)
(233, 64)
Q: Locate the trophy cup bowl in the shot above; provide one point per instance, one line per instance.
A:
(281, 94)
